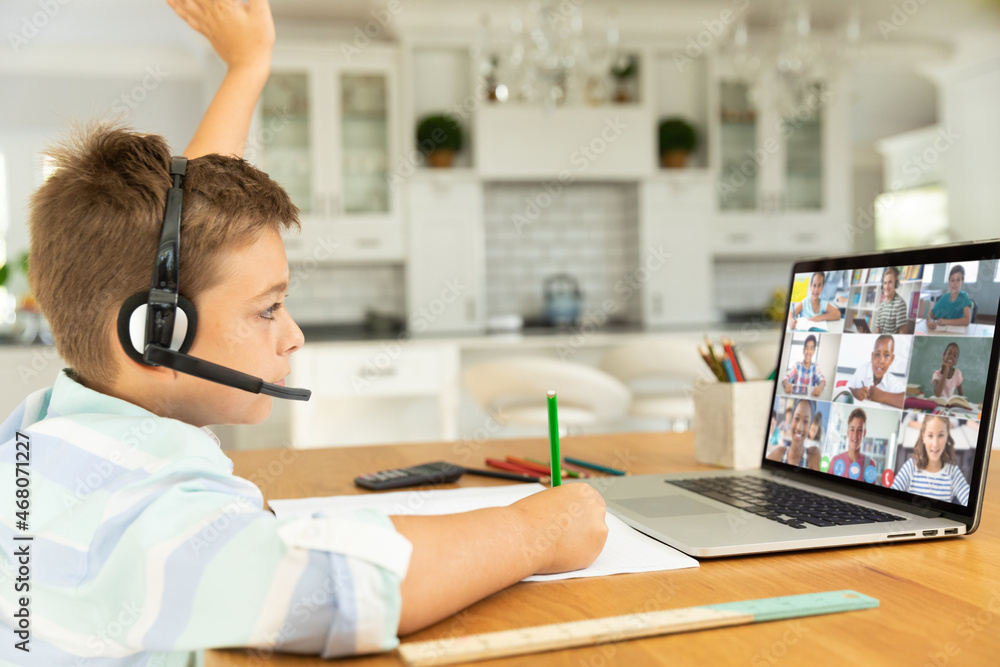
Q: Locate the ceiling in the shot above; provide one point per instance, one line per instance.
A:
(151, 21)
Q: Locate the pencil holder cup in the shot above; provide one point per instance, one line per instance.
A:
(730, 422)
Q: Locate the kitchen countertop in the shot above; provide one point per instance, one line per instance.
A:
(540, 336)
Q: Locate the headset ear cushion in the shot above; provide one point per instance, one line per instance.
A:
(131, 326)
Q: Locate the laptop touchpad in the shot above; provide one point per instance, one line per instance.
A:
(659, 506)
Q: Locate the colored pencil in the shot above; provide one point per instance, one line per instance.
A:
(554, 468)
(512, 467)
(593, 466)
(711, 365)
(512, 476)
(565, 471)
(728, 365)
(731, 356)
(539, 468)
(736, 360)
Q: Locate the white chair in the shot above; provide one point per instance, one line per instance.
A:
(513, 390)
(661, 375)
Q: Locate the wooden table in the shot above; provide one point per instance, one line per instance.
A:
(940, 600)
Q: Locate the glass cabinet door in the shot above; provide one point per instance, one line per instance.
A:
(285, 137)
(364, 132)
(804, 154)
(738, 141)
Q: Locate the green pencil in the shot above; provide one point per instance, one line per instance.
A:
(554, 458)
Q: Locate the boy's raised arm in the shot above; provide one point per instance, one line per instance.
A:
(242, 34)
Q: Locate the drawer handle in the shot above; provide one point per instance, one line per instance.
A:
(366, 371)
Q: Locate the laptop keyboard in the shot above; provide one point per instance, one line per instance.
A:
(785, 504)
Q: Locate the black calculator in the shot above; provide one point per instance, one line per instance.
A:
(438, 472)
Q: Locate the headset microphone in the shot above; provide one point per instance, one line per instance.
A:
(162, 323)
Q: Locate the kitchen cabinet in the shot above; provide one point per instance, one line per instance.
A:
(355, 386)
(327, 129)
(445, 274)
(783, 174)
(675, 256)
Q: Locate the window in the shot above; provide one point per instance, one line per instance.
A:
(908, 218)
(971, 271)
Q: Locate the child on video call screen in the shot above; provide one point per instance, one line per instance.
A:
(883, 375)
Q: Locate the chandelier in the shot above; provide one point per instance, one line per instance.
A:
(545, 55)
(786, 67)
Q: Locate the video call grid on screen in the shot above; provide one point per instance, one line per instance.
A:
(884, 372)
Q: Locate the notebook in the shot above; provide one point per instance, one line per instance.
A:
(856, 464)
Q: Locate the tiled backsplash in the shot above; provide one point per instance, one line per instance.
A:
(342, 294)
(590, 231)
(743, 285)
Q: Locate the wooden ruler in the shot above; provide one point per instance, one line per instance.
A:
(631, 626)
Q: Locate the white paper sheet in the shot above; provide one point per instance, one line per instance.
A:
(627, 550)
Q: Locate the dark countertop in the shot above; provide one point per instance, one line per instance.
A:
(318, 333)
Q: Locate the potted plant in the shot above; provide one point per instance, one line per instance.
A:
(439, 137)
(677, 139)
(624, 70)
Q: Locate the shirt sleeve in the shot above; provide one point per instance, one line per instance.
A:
(959, 487)
(202, 565)
(857, 380)
(902, 479)
(901, 313)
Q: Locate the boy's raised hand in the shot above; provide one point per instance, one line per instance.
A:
(241, 33)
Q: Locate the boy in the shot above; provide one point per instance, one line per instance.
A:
(145, 547)
(852, 463)
(955, 307)
(805, 376)
(873, 381)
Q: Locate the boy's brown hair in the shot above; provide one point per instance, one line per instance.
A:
(95, 225)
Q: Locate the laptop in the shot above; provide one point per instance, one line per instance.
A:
(890, 432)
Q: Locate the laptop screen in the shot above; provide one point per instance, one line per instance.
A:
(887, 372)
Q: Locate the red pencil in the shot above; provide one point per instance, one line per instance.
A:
(512, 467)
(534, 467)
(727, 346)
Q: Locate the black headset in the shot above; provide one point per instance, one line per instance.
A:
(157, 328)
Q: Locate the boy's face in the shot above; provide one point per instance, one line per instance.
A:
(242, 324)
(807, 352)
(955, 282)
(855, 434)
(889, 285)
(882, 359)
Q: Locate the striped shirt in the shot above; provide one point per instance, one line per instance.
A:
(944, 484)
(803, 379)
(890, 316)
(146, 548)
